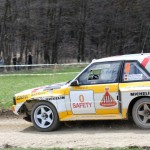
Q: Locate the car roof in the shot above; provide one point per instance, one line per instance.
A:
(138, 57)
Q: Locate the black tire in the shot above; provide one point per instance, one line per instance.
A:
(141, 113)
(44, 117)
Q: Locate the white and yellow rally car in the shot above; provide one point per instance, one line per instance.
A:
(111, 88)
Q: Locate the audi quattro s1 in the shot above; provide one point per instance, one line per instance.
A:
(112, 88)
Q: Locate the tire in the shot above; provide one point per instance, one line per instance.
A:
(141, 113)
(44, 117)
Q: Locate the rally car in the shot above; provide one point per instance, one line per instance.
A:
(112, 88)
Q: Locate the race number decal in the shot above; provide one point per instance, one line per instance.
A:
(82, 102)
(81, 98)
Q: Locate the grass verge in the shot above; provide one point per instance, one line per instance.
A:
(11, 85)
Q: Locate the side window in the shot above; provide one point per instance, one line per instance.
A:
(134, 72)
(100, 73)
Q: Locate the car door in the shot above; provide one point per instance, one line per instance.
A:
(97, 89)
(135, 83)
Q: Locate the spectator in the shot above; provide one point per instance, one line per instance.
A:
(30, 60)
(15, 62)
(18, 63)
(1, 61)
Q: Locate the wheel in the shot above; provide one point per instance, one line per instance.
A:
(141, 113)
(44, 117)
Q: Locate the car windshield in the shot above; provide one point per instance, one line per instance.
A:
(100, 73)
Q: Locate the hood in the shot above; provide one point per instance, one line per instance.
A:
(39, 91)
(54, 86)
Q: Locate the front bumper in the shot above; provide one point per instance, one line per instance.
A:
(15, 108)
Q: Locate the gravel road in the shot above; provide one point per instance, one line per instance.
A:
(17, 132)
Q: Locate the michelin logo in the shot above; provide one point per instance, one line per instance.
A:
(140, 94)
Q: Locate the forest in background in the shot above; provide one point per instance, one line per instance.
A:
(62, 31)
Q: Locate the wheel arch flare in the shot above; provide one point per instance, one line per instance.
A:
(131, 104)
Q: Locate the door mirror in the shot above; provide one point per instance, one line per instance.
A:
(75, 83)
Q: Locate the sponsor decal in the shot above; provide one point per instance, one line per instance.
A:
(129, 77)
(36, 89)
(22, 97)
(125, 77)
(51, 98)
(38, 93)
(140, 94)
(107, 100)
(55, 98)
(82, 103)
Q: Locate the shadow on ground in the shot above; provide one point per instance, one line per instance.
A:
(90, 126)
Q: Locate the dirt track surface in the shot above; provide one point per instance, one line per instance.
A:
(17, 132)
